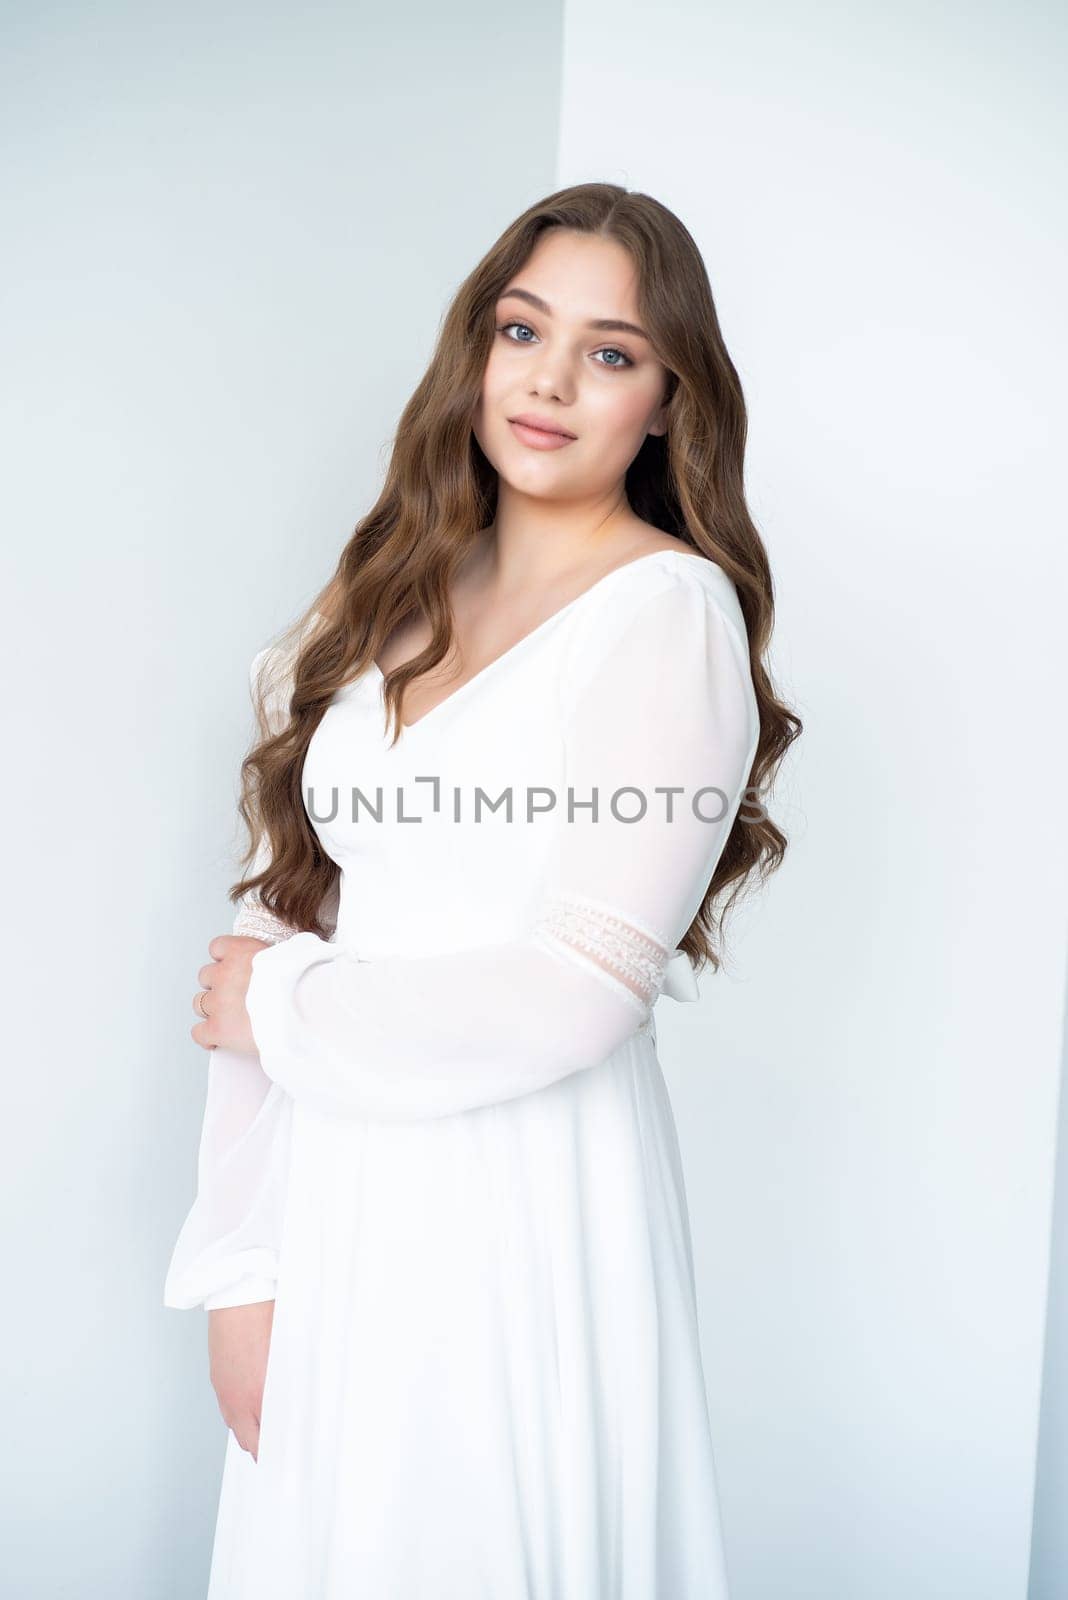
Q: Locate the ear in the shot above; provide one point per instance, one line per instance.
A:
(659, 423)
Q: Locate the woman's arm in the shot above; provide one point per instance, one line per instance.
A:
(227, 1251)
(660, 696)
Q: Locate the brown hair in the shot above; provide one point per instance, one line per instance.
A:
(440, 492)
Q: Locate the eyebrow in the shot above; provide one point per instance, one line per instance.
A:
(605, 324)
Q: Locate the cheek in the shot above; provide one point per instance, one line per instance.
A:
(626, 407)
(496, 393)
(618, 418)
(494, 377)
(483, 421)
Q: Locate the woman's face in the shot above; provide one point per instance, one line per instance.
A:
(603, 385)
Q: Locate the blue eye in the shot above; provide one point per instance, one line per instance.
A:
(624, 361)
(611, 350)
(503, 328)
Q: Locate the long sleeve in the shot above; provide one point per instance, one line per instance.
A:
(657, 696)
(227, 1251)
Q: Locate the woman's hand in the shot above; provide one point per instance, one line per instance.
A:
(239, 1340)
(223, 1017)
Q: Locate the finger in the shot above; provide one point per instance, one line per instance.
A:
(246, 1431)
(208, 974)
(200, 1035)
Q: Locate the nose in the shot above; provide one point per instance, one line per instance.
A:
(553, 379)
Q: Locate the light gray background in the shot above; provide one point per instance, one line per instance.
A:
(230, 235)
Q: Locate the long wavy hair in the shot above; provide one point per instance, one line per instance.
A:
(440, 493)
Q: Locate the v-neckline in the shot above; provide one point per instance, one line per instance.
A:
(527, 638)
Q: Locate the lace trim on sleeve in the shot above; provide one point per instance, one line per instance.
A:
(632, 958)
(254, 921)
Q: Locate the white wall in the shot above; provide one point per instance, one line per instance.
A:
(1049, 1543)
(226, 254)
(230, 233)
(868, 1109)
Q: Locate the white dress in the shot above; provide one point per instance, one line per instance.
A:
(453, 1163)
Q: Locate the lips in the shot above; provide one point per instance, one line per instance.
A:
(527, 419)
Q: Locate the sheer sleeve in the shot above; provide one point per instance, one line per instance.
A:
(227, 1251)
(659, 706)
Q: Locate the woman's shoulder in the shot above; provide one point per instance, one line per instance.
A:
(272, 667)
(667, 564)
(662, 610)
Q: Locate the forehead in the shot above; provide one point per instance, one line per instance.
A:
(580, 276)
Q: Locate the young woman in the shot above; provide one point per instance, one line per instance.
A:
(496, 811)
